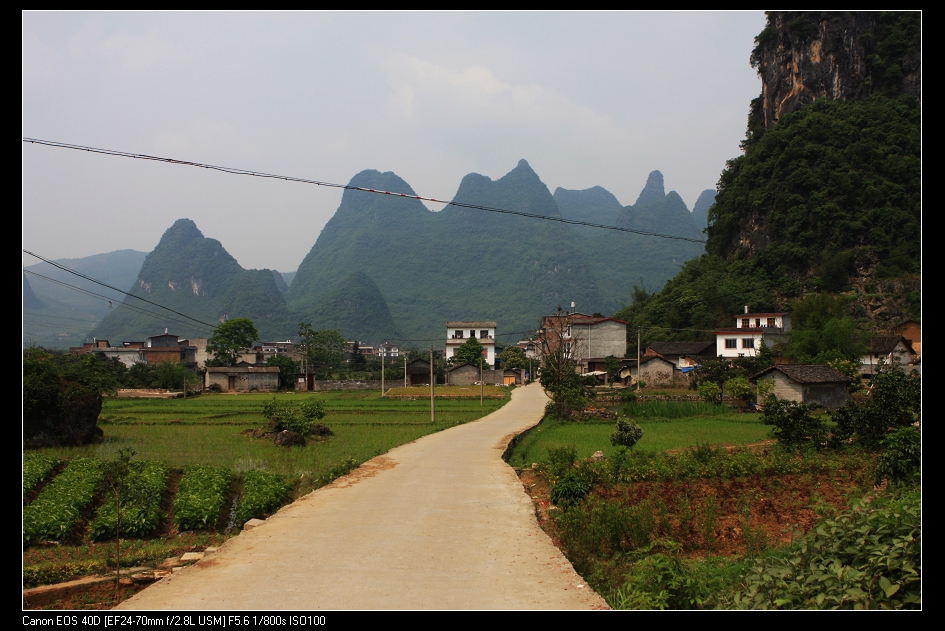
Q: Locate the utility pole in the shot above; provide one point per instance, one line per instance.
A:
(638, 359)
(382, 371)
(405, 371)
(432, 406)
(480, 382)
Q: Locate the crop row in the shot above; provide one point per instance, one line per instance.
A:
(263, 492)
(139, 498)
(200, 497)
(35, 469)
(58, 507)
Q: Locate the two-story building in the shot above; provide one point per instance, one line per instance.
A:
(586, 338)
(744, 339)
(457, 332)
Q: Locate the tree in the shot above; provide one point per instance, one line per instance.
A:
(288, 369)
(229, 339)
(895, 401)
(62, 396)
(324, 348)
(470, 352)
(559, 375)
(357, 361)
(513, 357)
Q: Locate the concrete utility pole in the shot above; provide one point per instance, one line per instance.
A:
(382, 372)
(638, 359)
(432, 379)
(405, 371)
(480, 382)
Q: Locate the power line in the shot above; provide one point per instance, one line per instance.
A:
(98, 282)
(288, 178)
(110, 301)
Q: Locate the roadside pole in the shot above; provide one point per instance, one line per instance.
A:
(382, 373)
(432, 379)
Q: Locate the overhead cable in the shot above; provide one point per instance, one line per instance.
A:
(98, 282)
(348, 187)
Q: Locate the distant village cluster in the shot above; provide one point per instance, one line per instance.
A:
(596, 344)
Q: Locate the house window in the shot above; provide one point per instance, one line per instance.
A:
(757, 322)
(731, 342)
(459, 335)
(748, 342)
(483, 334)
(771, 322)
(746, 323)
(472, 334)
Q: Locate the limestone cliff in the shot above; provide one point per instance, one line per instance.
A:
(804, 56)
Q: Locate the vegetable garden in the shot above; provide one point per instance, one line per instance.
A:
(199, 474)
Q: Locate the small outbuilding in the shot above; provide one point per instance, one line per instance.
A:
(807, 383)
(418, 372)
(243, 378)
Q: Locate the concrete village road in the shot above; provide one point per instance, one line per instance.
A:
(440, 523)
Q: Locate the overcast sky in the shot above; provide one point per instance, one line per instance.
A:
(587, 98)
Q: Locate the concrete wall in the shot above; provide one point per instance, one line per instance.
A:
(245, 381)
(785, 388)
(358, 385)
(599, 340)
(829, 395)
(469, 375)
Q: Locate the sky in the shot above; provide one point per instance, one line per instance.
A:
(588, 99)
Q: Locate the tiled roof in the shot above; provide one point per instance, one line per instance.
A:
(808, 373)
(466, 325)
(885, 344)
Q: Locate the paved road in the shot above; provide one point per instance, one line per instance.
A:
(440, 523)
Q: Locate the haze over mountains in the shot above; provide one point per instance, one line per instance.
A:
(389, 268)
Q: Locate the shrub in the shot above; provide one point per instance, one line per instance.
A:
(794, 423)
(561, 460)
(35, 469)
(627, 396)
(710, 392)
(739, 388)
(901, 461)
(895, 401)
(866, 558)
(139, 503)
(262, 493)
(300, 418)
(200, 497)
(627, 434)
(569, 490)
(57, 509)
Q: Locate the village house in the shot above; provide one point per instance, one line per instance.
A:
(157, 349)
(418, 373)
(242, 378)
(807, 383)
(744, 339)
(912, 331)
(654, 371)
(684, 355)
(588, 339)
(458, 332)
(885, 349)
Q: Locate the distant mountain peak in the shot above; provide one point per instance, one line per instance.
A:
(654, 191)
(524, 163)
(183, 230)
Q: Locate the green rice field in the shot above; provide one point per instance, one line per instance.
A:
(207, 430)
(676, 426)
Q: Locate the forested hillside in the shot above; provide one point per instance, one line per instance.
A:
(623, 259)
(826, 198)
